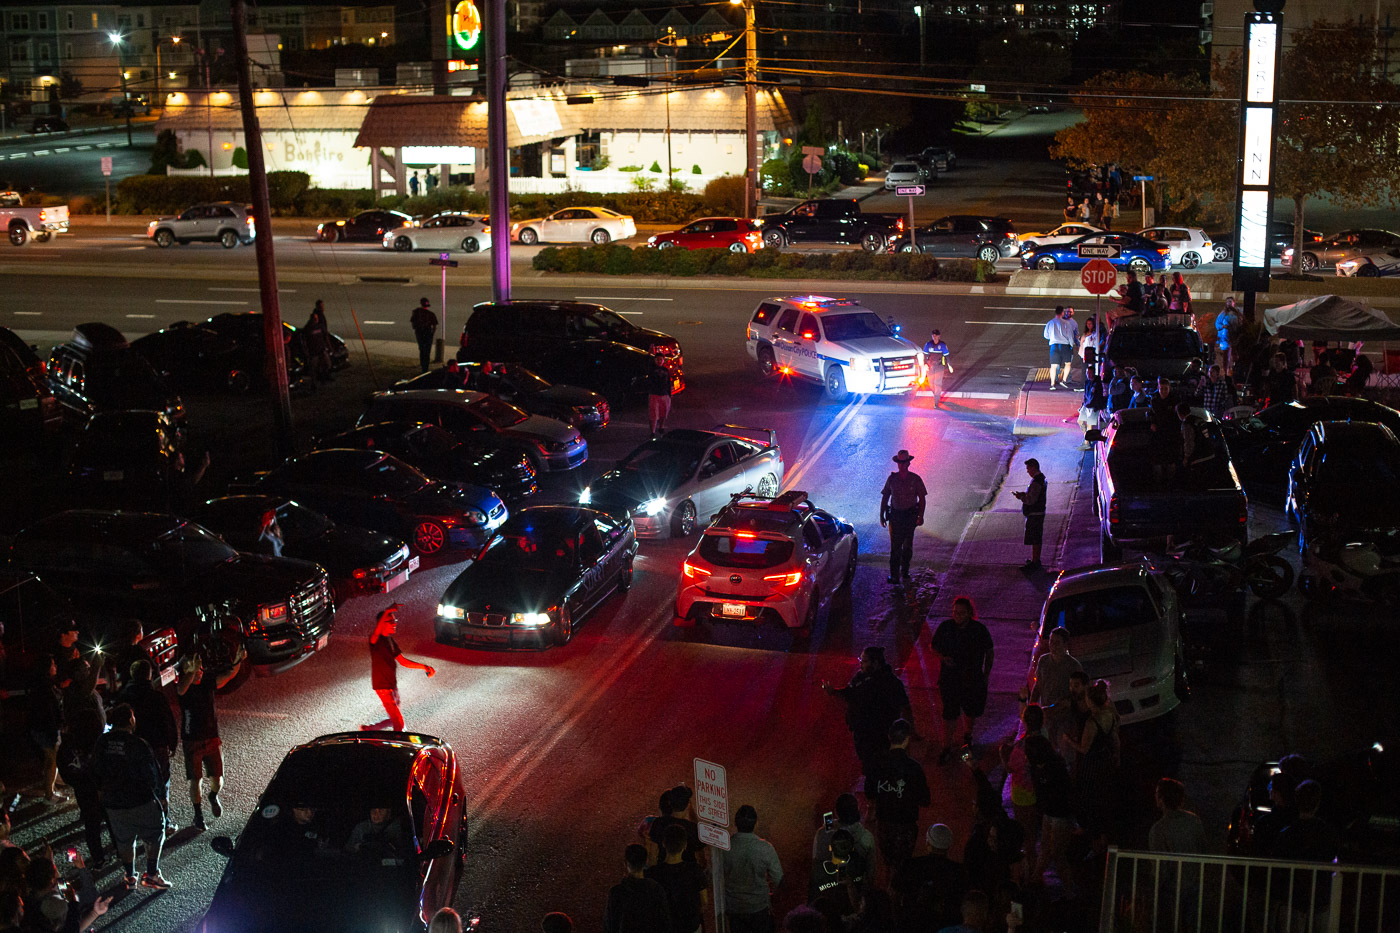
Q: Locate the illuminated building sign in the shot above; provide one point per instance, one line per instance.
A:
(1254, 187)
(465, 28)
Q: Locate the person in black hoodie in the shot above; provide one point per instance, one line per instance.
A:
(85, 721)
(155, 723)
(899, 788)
(637, 904)
(130, 780)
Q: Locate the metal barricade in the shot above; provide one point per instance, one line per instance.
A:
(1151, 892)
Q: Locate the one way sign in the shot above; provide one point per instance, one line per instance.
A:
(1099, 250)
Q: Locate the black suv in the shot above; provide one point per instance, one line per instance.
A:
(532, 331)
(227, 352)
(962, 235)
(167, 571)
(27, 404)
(97, 370)
(1166, 345)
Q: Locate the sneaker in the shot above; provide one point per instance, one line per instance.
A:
(892, 579)
(215, 807)
(171, 828)
(1053, 387)
(128, 880)
(199, 824)
(155, 882)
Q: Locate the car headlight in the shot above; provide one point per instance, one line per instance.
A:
(651, 241)
(450, 612)
(272, 613)
(654, 506)
(1349, 264)
(529, 619)
(586, 497)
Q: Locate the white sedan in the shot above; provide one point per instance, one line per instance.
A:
(1369, 265)
(443, 232)
(904, 174)
(575, 225)
(1064, 233)
(1190, 246)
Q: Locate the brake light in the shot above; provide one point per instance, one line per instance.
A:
(1163, 251)
(899, 225)
(745, 534)
(693, 572)
(249, 220)
(1114, 511)
(1243, 517)
(785, 579)
(1317, 238)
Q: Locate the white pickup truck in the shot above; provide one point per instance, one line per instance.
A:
(25, 222)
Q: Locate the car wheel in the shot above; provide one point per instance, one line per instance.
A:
(1110, 552)
(768, 486)
(1309, 262)
(989, 254)
(528, 237)
(1368, 271)
(402, 244)
(228, 239)
(909, 248)
(1269, 577)
(19, 234)
(1190, 260)
(240, 677)
(43, 236)
(164, 238)
(564, 628)
(738, 248)
(666, 244)
(601, 237)
(774, 239)
(624, 579)
(767, 363)
(1222, 253)
(683, 522)
(470, 245)
(238, 382)
(329, 235)
(873, 242)
(836, 384)
(429, 537)
(1140, 266)
(1045, 263)
(1028, 246)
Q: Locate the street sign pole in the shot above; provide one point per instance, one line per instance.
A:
(712, 810)
(912, 244)
(811, 163)
(107, 181)
(446, 261)
(911, 192)
(1144, 179)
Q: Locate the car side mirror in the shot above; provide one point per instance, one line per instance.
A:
(1093, 436)
(438, 848)
(224, 846)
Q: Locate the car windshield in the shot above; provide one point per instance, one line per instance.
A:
(497, 413)
(1154, 343)
(298, 523)
(529, 544)
(1107, 610)
(1357, 482)
(745, 551)
(613, 322)
(661, 463)
(191, 547)
(840, 327)
(524, 380)
(906, 168)
(392, 477)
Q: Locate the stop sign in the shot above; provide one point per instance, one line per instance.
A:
(1099, 277)
(811, 164)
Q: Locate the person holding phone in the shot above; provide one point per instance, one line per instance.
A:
(846, 815)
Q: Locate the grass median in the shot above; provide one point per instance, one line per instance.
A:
(614, 259)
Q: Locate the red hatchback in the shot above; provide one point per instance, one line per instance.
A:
(732, 233)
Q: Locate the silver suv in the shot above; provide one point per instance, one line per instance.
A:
(223, 222)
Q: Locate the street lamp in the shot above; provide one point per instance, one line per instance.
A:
(923, 57)
(750, 109)
(119, 41)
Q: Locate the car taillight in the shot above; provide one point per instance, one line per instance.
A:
(1164, 252)
(1114, 511)
(693, 572)
(43, 214)
(1243, 517)
(899, 225)
(1317, 238)
(249, 221)
(785, 579)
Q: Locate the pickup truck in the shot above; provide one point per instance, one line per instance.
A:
(1137, 503)
(24, 222)
(830, 220)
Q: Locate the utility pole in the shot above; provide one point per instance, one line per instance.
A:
(750, 109)
(923, 47)
(273, 339)
(119, 41)
(497, 156)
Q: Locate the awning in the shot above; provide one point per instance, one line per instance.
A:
(1330, 317)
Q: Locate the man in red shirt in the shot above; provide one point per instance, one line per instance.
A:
(385, 657)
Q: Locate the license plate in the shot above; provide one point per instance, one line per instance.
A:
(396, 580)
(112, 476)
(732, 610)
(323, 641)
(412, 564)
(167, 676)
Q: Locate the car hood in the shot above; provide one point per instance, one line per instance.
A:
(876, 346)
(568, 395)
(252, 899)
(548, 428)
(616, 491)
(344, 548)
(521, 223)
(485, 588)
(1151, 367)
(1142, 650)
(452, 497)
(261, 577)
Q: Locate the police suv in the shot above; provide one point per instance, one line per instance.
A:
(835, 342)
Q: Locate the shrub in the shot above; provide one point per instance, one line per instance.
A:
(656, 167)
(695, 170)
(630, 168)
(724, 196)
(164, 194)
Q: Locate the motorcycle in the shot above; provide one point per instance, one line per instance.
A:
(1365, 567)
(1206, 570)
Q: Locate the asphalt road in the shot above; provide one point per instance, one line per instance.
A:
(36, 162)
(566, 750)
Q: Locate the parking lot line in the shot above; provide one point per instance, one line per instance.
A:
(1009, 323)
(195, 301)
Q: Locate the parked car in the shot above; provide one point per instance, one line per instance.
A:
(365, 227)
(245, 330)
(767, 561)
(370, 489)
(961, 235)
(835, 342)
(536, 580)
(28, 408)
(222, 222)
(832, 221)
(1280, 239)
(1136, 507)
(532, 332)
(596, 225)
(905, 173)
(735, 234)
(670, 481)
(227, 358)
(126, 459)
(513, 383)
(1371, 265)
(358, 561)
(1346, 474)
(1339, 247)
(1135, 253)
(1165, 345)
(1190, 246)
(170, 572)
(1125, 625)
(551, 445)
(941, 156)
(286, 874)
(447, 231)
(97, 370)
(1263, 447)
(25, 223)
(48, 123)
(617, 371)
(1064, 233)
(433, 450)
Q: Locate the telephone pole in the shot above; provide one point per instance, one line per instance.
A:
(273, 339)
(497, 155)
(750, 109)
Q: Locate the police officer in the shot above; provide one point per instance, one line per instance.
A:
(425, 324)
(937, 361)
(902, 509)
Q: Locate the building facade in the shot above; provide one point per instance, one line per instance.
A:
(1067, 18)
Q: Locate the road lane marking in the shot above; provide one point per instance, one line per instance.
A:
(214, 288)
(64, 149)
(29, 313)
(617, 298)
(84, 148)
(18, 155)
(39, 152)
(791, 478)
(195, 301)
(141, 315)
(381, 322)
(1009, 323)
